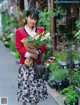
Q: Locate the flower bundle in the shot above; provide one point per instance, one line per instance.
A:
(35, 42)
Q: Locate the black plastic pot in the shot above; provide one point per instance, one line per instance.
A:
(62, 84)
(65, 82)
(58, 85)
(52, 84)
(70, 103)
(63, 64)
(76, 63)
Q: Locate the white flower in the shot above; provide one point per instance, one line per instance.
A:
(47, 34)
(36, 37)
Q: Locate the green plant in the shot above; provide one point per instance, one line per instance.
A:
(52, 67)
(78, 24)
(44, 20)
(70, 35)
(76, 78)
(70, 93)
(1, 36)
(12, 44)
(15, 23)
(17, 55)
(78, 34)
(58, 74)
(76, 55)
(60, 10)
(62, 55)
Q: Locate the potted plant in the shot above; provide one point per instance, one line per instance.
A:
(61, 58)
(71, 95)
(76, 78)
(76, 58)
(58, 77)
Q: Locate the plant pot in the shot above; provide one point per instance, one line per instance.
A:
(65, 83)
(76, 63)
(52, 84)
(70, 103)
(58, 85)
(63, 64)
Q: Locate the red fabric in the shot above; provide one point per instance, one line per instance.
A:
(21, 34)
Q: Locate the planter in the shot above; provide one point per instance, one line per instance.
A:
(65, 82)
(58, 85)
(76, 63)
(63, 64)
(62, 84)
(52, 84)
(70, 103)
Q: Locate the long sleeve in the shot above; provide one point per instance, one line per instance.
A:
(19, 44)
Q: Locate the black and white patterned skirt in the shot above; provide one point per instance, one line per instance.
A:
(30, 90)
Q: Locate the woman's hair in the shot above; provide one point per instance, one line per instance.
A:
(33, 13)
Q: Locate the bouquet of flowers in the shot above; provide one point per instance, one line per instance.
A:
(34, 42)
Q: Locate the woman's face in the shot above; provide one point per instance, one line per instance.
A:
(31, 21)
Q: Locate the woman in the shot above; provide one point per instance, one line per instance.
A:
(30, 90)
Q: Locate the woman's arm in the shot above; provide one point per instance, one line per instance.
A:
(21, 49)
(19, 46)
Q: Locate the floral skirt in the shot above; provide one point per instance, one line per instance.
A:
(30, 90)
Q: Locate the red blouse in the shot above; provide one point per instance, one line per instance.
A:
(21, 34)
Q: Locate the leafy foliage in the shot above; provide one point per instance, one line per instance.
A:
(17, 55)
(77, 35)
(58, 74)
(62, 55)
(44, 20)
(59, 11)
(76, 78)
(70, 93)
(12, 45)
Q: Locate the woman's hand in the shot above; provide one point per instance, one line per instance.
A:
(33, 51)
(34, 56)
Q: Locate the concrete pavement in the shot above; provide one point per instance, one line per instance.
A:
(8, 79)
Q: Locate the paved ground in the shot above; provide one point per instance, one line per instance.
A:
(8, 78)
